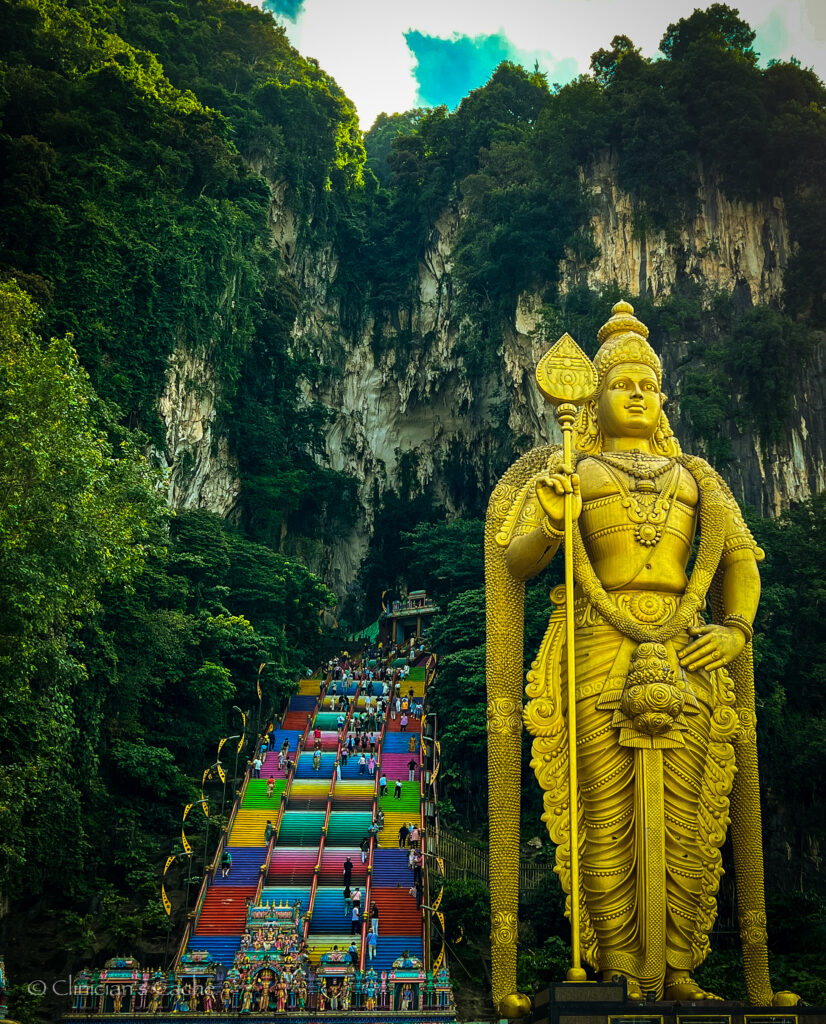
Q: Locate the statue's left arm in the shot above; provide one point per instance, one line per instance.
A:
(719, 643)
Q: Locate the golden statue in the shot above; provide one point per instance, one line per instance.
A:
(664, 723)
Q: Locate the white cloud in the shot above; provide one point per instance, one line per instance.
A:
(361, 43)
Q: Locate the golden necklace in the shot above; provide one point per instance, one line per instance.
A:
(638, 464)
(643, 506)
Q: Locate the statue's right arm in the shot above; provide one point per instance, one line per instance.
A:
(529, 554)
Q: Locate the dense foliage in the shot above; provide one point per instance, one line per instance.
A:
(151, 154)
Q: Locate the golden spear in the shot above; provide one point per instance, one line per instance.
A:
(567, 378)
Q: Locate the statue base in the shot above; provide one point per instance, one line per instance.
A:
(607, 1003)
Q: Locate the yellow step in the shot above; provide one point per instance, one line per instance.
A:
(248, 827)
(317, 945)
(309, 686)
(309, 788)
(393, 821)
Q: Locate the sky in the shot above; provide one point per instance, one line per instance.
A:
(392, 55)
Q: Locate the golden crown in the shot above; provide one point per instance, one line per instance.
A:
(624, 339)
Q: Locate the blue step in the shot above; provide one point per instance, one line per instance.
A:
(390, 869)
(397, 742)
(246, 866)
(302, 702)
(287, 894)
(222, 948)
(328, 912)
(305, 768)
(293, 735)
(351, 770)
(391, 947)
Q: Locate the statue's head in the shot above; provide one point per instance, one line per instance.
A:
(628, 401)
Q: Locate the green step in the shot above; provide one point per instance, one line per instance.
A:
(301, 828)
(256, 799)
(417, 673)
(351, 825)
(409, 801)
(327, 721)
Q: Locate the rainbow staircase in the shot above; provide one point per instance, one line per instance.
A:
(319, 821)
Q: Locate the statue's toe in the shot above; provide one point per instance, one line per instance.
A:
(687, 990)
(785, 999)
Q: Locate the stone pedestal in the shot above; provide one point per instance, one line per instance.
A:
(607, 1003)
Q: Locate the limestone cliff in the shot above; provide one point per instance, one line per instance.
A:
(202, 471)
(416, 400)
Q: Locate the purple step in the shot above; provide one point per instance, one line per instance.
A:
(390, 869)
(246, 864)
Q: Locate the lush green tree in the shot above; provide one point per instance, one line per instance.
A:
(445, 557)
(378, 142)
(77, 512)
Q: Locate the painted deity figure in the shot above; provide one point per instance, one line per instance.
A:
(143, 991)
(156, 998)
(209, 997)
(370, 993)
(665, 722)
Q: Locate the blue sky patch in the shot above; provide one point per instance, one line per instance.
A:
(447, 70)
(284, 8)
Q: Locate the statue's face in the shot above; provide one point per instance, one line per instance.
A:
(630, 402)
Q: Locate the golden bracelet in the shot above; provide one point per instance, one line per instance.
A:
(742, 623)
(551, 531)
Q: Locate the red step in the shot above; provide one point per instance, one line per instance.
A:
(295, 720)
(395, 725)
(225, 910)
(397, 912)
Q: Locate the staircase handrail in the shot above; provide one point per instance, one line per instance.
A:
(368, 887)
(323, 839)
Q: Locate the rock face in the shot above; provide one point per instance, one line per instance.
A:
(730, 245)
(406, 402)
(202, 471)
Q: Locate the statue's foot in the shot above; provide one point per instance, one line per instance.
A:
(632, 986)
(683, 988)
